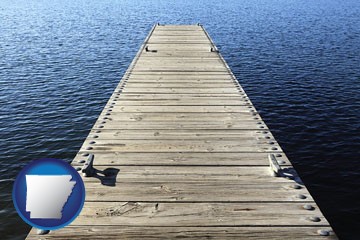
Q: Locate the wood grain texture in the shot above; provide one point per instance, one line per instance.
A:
(188, 191)
(242, 174)
(179, 159)
(197, 214)
(170, 116)
(179, 125)
(140, 233)
(171, 145)
(188, 134)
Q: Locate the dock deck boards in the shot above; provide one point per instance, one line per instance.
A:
(188, 154)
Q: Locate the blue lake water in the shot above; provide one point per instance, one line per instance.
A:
(298, 60)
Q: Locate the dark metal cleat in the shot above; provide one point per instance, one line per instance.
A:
(88, 170)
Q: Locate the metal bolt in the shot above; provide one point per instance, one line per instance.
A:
(281, 162)
(278, 155)
(107, 114)
(274, 148)
(301, 196)
(42, 232)
(78, 168)
(308, 207)
(81, 161)
(323, 232)
(101, 126)
(85, 154)
(315, 219)
(95, 136)
(296, 186)
(97, 131)
(92, 142)
(89, 148)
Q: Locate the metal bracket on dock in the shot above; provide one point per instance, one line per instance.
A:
(214, 49)
(277, 171)
(287, 172)
(275, 168)
(88, 170)
(148, 50)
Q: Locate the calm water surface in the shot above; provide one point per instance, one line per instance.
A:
(298, 60)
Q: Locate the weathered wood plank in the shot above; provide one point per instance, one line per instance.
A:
(183, 117)
(244, 125)
(143, 232)
(180, 73)
(180, 47)
(184, 96)
(188, 191)
(197, 214)
(180, 158)
(187, 67)
(182, 134)
(212, 83)
(176, 102)
(178, 33)
(180, 76)
(254, 175)
(179, 85)
(152, 95)
(169, 145)
(181, 90)
(180, 61)
(181, 109)
(177, 41)
(156, 37)
(170, 54)
(178, 28)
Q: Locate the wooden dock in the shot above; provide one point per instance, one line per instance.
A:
(181, 152)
